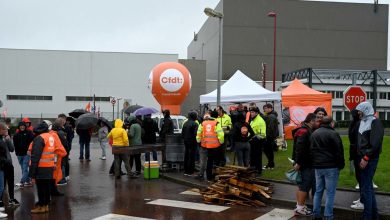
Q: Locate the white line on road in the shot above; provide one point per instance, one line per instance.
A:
(277, 214)
(188, 205)
(119, 217)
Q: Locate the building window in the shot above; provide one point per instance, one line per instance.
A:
(30, 97)
(369, 95)
(388, 96)
(347, 116)
(338, 116)
(388, 115)
(382, 95)
(87, 98)
(338, 94)
(382, 115)
(332, 92)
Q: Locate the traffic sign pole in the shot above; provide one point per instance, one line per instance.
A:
(113, 101)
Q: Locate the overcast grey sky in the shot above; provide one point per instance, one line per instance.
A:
(146, 26)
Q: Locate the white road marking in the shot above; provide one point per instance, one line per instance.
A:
(277, 214)
(188, 205)
(119, 217)
(189, 192)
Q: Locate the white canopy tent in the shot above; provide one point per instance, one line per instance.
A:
(239, 89)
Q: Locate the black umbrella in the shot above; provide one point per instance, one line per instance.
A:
(86, 121)
(131, 109)
(77, 112)
(106, 122)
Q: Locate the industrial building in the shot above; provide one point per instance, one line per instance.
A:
(44, 83)
(320, 35)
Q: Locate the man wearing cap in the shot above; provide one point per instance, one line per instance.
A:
(210, 136)
(259, 127)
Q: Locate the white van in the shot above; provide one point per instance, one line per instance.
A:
(178, 121)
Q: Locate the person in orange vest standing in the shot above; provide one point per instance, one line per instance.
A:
(210, 136)
(44, 150)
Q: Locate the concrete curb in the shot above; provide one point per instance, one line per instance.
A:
(344, 213)
(378, 192)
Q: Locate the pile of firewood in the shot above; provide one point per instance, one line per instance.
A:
(237, 186)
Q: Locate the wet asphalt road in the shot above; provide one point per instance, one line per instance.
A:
(92, 193)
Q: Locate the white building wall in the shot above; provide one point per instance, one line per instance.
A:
(73, 73)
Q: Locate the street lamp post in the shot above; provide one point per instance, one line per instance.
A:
(273, 14)
(212, 13)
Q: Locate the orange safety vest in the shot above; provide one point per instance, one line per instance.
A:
(48, 155)
(209, 135)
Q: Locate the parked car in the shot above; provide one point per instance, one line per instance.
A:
(178, 121)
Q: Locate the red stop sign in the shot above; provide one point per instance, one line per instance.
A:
(354, 95)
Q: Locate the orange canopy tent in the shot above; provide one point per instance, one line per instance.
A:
(298, 100)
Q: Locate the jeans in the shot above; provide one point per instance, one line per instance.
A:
(202, 160)
(23, 161)
(325, 178)
(147, 156)
(84, 143)
(103, 146)
(367, 191)
(242, 153)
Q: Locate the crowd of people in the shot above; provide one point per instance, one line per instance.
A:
(318, 152)
(318, 155)
(42, 155)
(247, 132)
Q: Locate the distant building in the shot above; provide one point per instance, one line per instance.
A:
(320, 35)
(44, 83)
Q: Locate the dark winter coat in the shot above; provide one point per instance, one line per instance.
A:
(370, 142)
(3, 152)
(150, 128)
(62, 135)
(84, 134)
(189, 131)
(353, 131)
(166, 128)
(22, 140)
(271, 120)
(301, 146)
(237, 136)
(326, 148)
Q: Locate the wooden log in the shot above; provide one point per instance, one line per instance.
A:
(252, 187)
